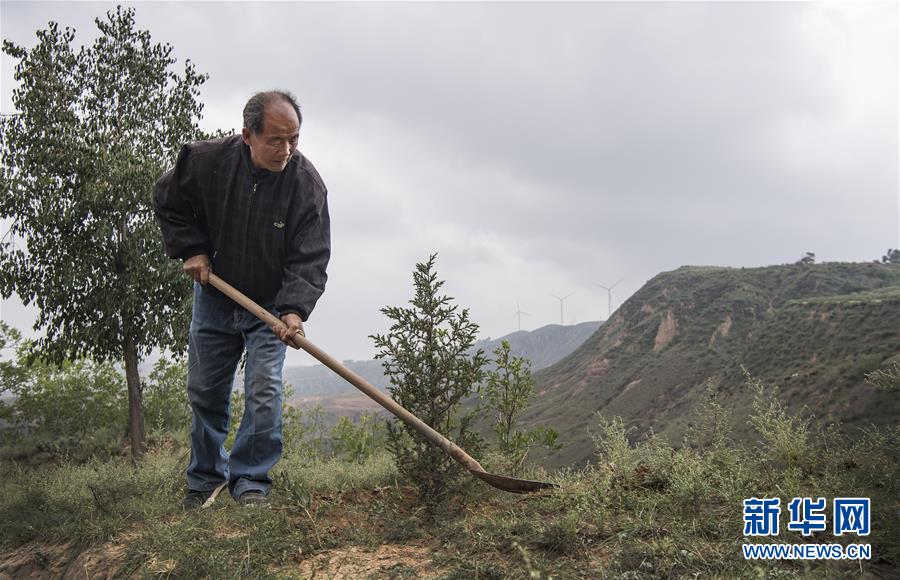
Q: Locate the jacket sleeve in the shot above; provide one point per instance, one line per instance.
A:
(175, 205)
(307, 257)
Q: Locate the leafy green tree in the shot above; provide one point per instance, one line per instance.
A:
(508, 391)
(809, 258)
(425, 355)
(892, 256)
(92, 131)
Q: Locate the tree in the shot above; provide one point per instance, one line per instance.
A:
(425, 355)
(92, 131)
(891, 257)
(809, 258)
(508, 391)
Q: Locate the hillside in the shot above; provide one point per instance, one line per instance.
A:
(319, 380)
(546, 345)
(813, 330)
(543, 347)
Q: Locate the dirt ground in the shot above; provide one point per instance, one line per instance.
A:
(388, 560)
(39, 561)
(62, 561)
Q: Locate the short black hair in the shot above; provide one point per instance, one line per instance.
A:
(256, 106)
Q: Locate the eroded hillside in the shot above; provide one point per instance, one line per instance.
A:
(814, 330)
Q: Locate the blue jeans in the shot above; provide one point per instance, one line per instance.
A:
(220, 331)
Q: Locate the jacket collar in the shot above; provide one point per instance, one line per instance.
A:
(256, 174)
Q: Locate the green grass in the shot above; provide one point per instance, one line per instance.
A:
(875, 295)
(649, 510)
(85, 503)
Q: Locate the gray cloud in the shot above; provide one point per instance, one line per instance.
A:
(544, 147)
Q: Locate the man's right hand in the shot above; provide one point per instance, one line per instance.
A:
(198, 268)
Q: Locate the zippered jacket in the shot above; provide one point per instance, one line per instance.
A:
(267, 234)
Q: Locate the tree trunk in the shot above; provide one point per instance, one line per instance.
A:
(135, 403)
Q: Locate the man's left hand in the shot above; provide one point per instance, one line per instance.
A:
(294, 326)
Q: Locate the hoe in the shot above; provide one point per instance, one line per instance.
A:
(501, 482)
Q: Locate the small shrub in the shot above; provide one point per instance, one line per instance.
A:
(560, 536)
(86, 502)
(316, 430)
(166, 406)
(69, 410)
(886, 378)
(356, 442)
(507, 392)
(425, 356)
(786, 436)
(294, 431)
(712, 427)
(612, 446)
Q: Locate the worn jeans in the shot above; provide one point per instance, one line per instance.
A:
(220, 331)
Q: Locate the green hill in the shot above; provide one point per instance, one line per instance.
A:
(814, 330)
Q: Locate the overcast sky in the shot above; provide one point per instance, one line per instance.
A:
(544, 148)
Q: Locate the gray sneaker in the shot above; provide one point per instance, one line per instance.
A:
(195, 499)
(198, 499)
(253, 498)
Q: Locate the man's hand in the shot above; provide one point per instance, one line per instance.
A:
(198, 268)
(294, 326)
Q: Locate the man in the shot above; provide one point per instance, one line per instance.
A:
(254, 210)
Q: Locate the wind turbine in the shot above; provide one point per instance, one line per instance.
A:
(519, 313)
(609, 296)
(561, 305)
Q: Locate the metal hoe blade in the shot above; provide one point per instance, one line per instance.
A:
(511, 484)
(500, 482)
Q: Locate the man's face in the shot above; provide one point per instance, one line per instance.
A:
(272, 147)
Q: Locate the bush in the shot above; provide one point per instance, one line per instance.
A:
(694, 493)
(425, 356)
(507, 392)
(73, 409)
(166, 405)
(356, 442)
(886, 378)
(786, 436)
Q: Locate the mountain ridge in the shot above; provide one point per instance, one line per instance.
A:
(813, 329)
(542, 346)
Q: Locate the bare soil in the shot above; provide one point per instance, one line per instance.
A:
(62, 560)
(407, 560)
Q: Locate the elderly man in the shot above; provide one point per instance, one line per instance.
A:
(253, 209)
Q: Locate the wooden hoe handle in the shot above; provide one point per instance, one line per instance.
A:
(357, 381)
